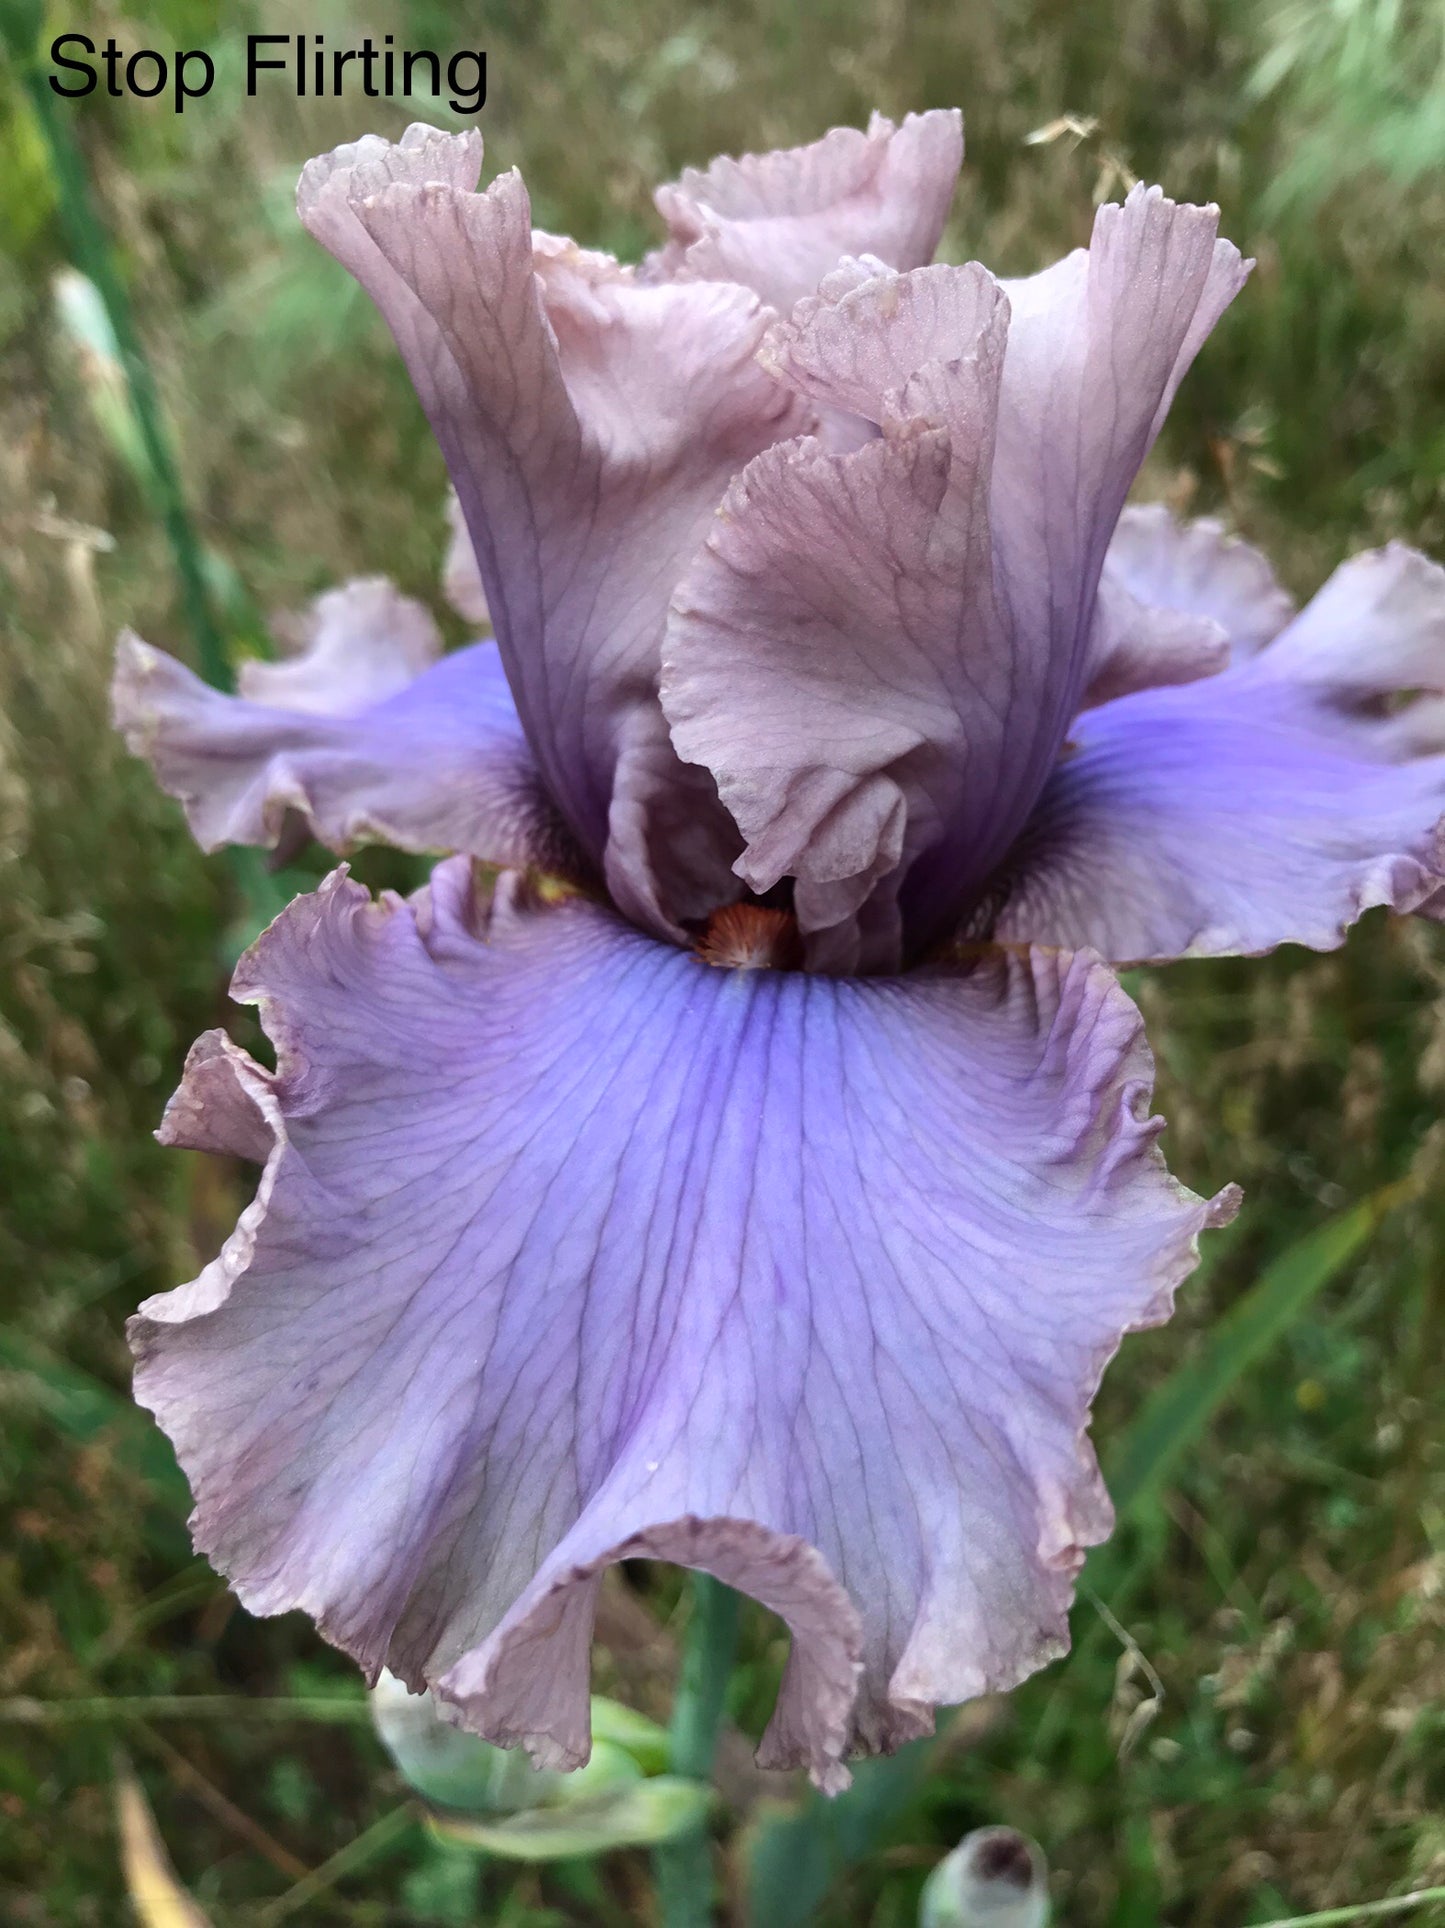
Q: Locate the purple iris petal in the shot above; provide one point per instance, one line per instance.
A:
(1377, 628)
(1177, 601)
(1196, 569)
(1269, 805)
(879, 652)
(1138, 645)
(780, 222)
(590, 423)
(353, 647)
(827, 641)
(350, 737)
(461, 578)
(571, 1248)
(814, 657)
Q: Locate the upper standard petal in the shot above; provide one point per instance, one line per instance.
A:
(1196, 568)
(879, 652)
(571, 1248)
(590, 424)
(824, 655)
(780, 222)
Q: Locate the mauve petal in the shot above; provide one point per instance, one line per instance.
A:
(439, 764)
(779, 222)
(1227, 816)
(1098, 344)
(1136, 645)
(1371, 645)
(821, 653)
(878, 653)
(1377, 628)
(590, 424)
(1196, 569)
(570, 1249)
(354, 646)
(461, 578)
(1177, 601)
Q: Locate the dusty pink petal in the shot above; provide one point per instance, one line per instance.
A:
(590, 424)
(819, 653)
(570, 1248)
(1098, 345)
(354, 646)
(669, 840)
(1196, 569)
(440, 763)
(461, 578)
(780, 222)
(1136, 646)
(1377, 628)
(879, 652)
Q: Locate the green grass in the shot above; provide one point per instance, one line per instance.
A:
(1270, 1738)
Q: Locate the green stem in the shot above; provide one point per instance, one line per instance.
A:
(683, 1868)
(90, 245)
(377, 1840)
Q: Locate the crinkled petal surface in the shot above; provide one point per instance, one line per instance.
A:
(780, 222)
(879, 652)
(441, 764)
(817, 657)
(1377, 628)
(1196, 569)
(1139, 646)
(570, 1248)
(354, 646)
(590, 423)
(1270, 805)
(1097, 347)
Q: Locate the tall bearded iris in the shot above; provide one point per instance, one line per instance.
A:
(758, 1174)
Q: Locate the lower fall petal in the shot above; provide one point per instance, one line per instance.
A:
(353, 647)
(1376, 629)
(1272, 804)
(1178, 601)
(1226, 817)
(440, 763)
(1139, 646)
(570, 1248)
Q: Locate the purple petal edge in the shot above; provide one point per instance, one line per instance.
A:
(1275, 803)
(521, 1294)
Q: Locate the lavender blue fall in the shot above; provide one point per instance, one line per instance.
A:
(740, 1154)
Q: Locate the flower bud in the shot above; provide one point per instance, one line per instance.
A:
(995, 1878)
(448, 1767)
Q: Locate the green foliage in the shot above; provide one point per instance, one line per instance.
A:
(629, 1813)
(1255, 1731)
(1364, 80)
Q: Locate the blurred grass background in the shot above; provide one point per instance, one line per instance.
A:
(1284, 1595)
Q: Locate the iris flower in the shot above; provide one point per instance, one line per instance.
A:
(739, 1154)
